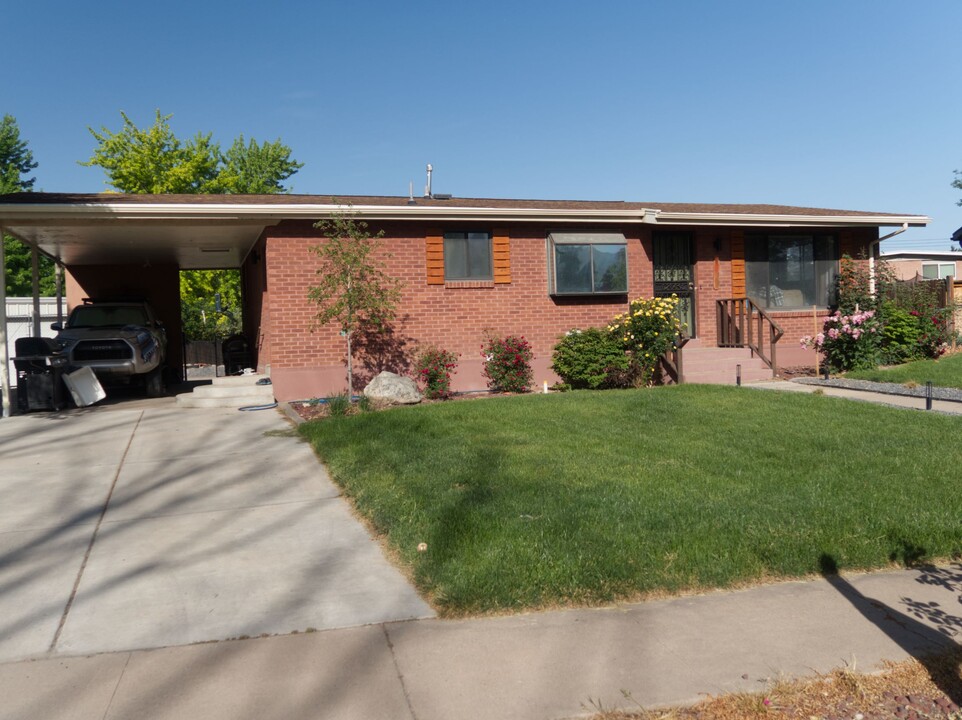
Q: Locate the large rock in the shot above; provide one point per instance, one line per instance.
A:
(389, 388)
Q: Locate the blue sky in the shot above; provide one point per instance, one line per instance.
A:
(851, 105)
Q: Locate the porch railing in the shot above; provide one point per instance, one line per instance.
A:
(671, 362)
(741, 323)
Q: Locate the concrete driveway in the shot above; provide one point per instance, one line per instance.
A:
(147, 526)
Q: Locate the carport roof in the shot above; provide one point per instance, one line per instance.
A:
(217, 231)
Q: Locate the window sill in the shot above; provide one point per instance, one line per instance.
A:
(469, 283)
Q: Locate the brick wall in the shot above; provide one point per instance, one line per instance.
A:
(308, 361)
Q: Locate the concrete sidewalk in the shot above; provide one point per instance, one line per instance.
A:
(543, 665)
(900, 401)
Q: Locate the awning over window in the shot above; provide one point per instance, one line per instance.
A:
(586, 238)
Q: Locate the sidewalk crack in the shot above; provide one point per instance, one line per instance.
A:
(397, 670)
(93, 538)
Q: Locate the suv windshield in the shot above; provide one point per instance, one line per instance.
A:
(95, 316)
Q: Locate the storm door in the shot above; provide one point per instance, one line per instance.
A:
(674, 274)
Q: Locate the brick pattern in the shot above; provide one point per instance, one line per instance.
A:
(308, 360)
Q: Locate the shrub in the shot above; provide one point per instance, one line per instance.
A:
(507, 363)
(648, 330)
(900, 335)
(434, 367)
(591, 358)
(849, 342)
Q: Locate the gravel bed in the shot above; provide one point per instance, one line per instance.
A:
(938, 393)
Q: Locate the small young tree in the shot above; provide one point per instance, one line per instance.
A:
(353, 288)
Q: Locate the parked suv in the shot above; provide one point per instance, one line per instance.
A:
(121, 341)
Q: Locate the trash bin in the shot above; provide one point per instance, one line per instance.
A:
(237, 354)
(40, 366)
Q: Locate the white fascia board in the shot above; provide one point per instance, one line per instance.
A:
(670, 218)
(273, 213)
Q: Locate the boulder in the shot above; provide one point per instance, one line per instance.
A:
(389, 388)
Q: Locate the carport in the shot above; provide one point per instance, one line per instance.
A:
(107, 245)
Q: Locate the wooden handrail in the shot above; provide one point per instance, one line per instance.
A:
(671, 361)
(742, 323)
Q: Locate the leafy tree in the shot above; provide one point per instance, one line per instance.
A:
(254, 169)
(353, 289)
(154, 161)
(203, 317)
(16, 162)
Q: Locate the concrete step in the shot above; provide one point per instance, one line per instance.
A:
(233, 391)
(189, 400)
(718, 366)
(209, 391)
(232, 380)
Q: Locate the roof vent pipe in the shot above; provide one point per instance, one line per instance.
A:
(427, 188)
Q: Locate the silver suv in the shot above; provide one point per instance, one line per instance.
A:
(121, 341)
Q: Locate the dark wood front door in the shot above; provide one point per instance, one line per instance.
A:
(674, 274)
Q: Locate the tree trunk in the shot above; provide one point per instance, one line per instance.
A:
(350, 367)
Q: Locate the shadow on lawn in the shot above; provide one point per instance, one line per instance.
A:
(919, 639)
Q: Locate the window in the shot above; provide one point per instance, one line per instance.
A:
(938, 271)
(467, 256)
(587, 264)
(791, 271)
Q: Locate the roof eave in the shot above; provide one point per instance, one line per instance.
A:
(742, 219)
(272, 213)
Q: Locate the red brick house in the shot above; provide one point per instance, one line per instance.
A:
(468, 266)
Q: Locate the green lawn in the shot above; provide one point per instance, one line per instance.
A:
(944, 372)
(587, 497)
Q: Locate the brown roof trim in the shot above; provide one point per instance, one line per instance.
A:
(94, 199)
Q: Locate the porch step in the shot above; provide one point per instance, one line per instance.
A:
(718, 366)
(234, 391)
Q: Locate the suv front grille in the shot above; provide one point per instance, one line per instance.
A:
(102, 350)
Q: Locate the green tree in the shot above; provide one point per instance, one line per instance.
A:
(203, 317)
(16, 160)
(16, 163)
(253, 169)
(153, 160)
(353, 288)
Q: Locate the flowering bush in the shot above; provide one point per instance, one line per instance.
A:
(507, 363)
(648, 330)
(848, 342)
(591, 358)
(934, 332)
(434, 368)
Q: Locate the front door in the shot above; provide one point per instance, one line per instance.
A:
(674, 274)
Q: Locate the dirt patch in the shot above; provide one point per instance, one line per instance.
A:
(928, 690)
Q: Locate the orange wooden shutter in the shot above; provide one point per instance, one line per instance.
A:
(738, 263)
(435, 257)
(501, 249)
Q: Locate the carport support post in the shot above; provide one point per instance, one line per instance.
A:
(4, 355)
(35, 277)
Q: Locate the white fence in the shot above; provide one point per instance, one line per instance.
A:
(20, 323)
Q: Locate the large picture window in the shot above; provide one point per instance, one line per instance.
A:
(587, 264)
(791, 271)
(467, 256)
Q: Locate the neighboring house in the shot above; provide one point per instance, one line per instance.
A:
(928, 265)
(469, 266)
